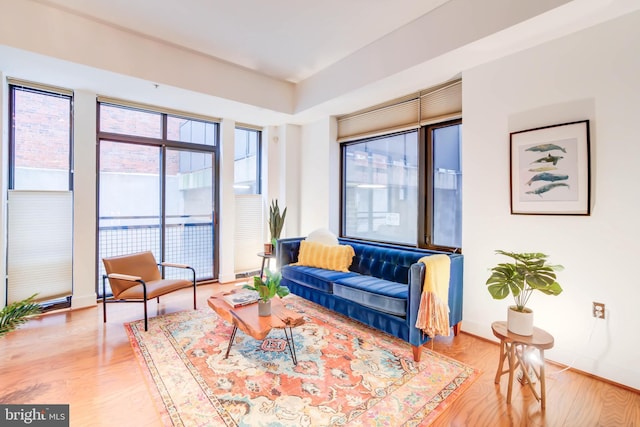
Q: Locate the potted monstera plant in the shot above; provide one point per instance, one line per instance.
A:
(526, 273)
(267, 288)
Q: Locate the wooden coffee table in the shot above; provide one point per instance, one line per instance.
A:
(247, 320)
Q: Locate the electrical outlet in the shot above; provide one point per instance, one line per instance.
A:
(598, 310)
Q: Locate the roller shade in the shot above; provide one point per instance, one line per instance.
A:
(249, 232)
(441, 104)
(33, 85)
(39, 245)
(403, 115)
(434, 105)
(146, 107)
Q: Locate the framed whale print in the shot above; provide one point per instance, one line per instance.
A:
(550, 170)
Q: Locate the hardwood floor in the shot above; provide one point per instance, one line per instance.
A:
(73, 358)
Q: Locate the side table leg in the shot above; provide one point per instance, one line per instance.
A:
(499, 371)
(264, 258)
(543, 392)
(511, 354)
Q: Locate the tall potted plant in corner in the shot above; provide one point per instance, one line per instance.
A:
(527, 273)
(267, 288)
(276, 222)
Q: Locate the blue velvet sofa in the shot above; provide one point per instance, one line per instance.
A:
(382, 288)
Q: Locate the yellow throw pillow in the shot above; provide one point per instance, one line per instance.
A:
(330, 257)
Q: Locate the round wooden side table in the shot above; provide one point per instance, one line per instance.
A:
(265, 258)
(518, 351)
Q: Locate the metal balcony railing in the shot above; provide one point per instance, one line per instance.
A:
(187, 241)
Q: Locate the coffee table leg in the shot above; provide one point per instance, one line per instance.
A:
(291, 344)
(233, 336)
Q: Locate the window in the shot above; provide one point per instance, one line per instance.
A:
(443, 219)
(381, 188)
(40, 208)
(157, 188)
(193, 131)
(383, 180)
(401, 171)
(40, 147)
(247, 161)
(129, 121)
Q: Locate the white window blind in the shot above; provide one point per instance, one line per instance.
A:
(249, 232)
(442, 104)
(433, 105)
(39, 245)
(397, 117)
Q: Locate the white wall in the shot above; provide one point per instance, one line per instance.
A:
(227, 210)
(589, 75)
(320, 177)
(84, 199)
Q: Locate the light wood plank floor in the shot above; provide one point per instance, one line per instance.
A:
(73, 358)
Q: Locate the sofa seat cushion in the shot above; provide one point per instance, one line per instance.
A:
(379, 294)
(316, 278)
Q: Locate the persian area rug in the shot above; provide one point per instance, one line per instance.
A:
(347, 373)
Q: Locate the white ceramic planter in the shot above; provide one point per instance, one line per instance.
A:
(520, 323)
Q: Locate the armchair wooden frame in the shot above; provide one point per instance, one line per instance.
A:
(139, 278)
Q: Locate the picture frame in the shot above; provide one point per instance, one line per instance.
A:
(550, 170)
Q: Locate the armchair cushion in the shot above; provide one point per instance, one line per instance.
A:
(155, 288)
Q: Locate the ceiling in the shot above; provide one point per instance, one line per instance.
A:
(285, 39)
(286, 61)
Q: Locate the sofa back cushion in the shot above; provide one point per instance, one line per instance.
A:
(384, 261)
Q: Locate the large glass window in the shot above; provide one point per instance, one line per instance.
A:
(40, 140)
(193, 131)
(157, 193)
(444, 219)
(405, 188)
(129, 121)
(381, 188)
(40, 216)
(247, 161)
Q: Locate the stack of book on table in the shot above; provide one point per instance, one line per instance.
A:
(241, 297)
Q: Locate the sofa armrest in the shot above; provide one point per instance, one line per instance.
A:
(287, 250)
(416, 281)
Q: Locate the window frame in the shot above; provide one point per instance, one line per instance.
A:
(13, 86)
(164, 144)
(426, 199)
(12, 135)
(343, 164)
(258, 156)
(425, 190)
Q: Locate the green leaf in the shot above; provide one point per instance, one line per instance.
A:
(17, 313)
(498, 291)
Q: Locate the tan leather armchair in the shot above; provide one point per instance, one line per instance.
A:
(137, 278)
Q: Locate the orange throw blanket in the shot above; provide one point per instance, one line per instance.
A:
(433, 313)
